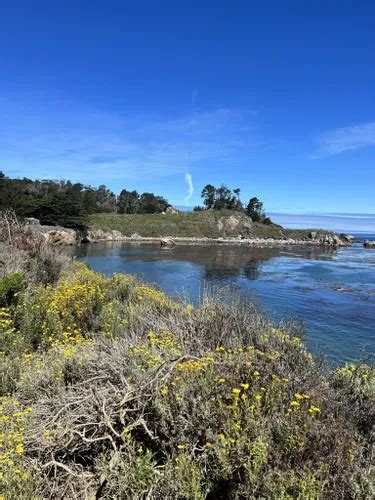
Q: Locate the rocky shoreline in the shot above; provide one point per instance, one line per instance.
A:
(69, 237)
(62, 236)
(168, 242)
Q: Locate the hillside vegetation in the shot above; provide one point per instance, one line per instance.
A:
(211, 224)
(202, 224)
(110, 389)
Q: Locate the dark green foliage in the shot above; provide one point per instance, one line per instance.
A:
(128, 202)
(151, 204)
(255, 210)
(267, 221)
(221, 198)
(67, 204)
(10, 287)
(208, 195)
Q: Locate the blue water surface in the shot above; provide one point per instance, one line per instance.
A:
(331, 291)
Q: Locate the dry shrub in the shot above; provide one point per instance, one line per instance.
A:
(26, 251)
(157, 399)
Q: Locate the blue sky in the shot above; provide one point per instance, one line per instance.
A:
(274, 97)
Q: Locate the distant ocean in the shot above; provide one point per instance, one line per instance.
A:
(362, 226)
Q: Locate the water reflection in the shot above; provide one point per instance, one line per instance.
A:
(225, 260)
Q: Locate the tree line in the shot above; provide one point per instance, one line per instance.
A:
(63, 203)
(69, 204)
(224, 198)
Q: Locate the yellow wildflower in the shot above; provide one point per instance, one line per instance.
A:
(314, 409)
(164, 390)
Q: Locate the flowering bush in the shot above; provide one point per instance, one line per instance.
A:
(112, 390)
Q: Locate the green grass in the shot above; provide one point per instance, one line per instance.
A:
(204, 224)
(210, 224)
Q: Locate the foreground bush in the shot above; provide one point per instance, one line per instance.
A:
(109, 389)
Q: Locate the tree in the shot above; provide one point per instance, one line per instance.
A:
(127, 202)
(255, 210)
(69, 204)
(208, 194)
(221, 198)
(151, 204)
(105, 200)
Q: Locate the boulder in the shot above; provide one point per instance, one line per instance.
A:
(100, 235)
(167, 242)
(369, 244)
(326, 239)
(172, 210)
(228, 224)
(348, 238)
(61, 237)
(30, 221)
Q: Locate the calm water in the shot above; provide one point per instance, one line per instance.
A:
(331, 291)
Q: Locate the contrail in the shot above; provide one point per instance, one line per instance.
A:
(189, 182)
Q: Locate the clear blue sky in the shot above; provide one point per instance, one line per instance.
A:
(274, 97)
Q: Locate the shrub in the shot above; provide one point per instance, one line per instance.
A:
(133, 395)
(10, 287)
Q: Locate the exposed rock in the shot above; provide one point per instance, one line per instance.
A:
(61, 237)
(55, 235)
(99, 235)
(172, 210)
(369, 244)
(327, 239)
(347, 237)
(167, 242)
(135, 236)
(230, 224)
(30, 221)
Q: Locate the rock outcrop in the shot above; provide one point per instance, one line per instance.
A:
(31, 221)
(167, 242)
(61, 237)
(172, 210)
(100, 235)
(327, 239)
(229, 225)
(55, 235)
(369, 244)
(347, 238)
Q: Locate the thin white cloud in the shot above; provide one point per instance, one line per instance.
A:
(345, 139)
(189, 182)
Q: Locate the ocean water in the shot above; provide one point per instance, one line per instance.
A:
(331, 291)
